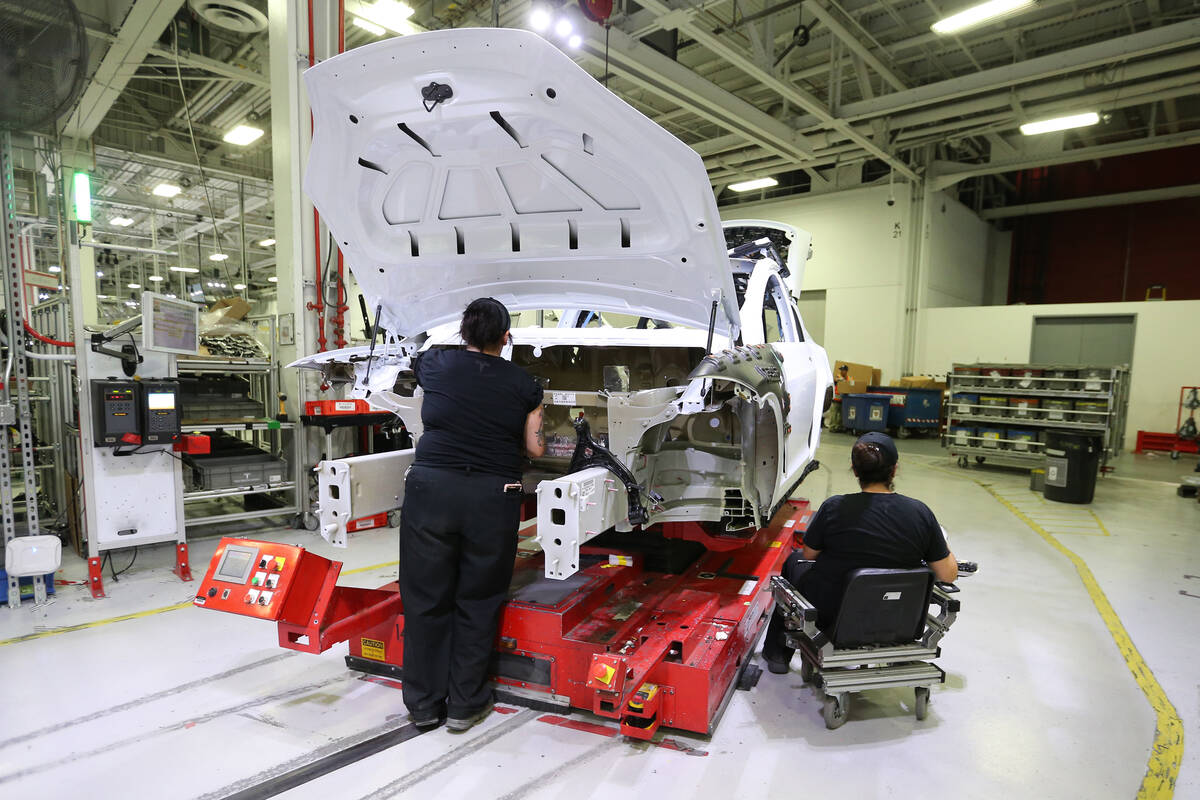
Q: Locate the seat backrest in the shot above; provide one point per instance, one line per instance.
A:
(883, 606)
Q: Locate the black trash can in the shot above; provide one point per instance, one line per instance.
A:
(1072, 463)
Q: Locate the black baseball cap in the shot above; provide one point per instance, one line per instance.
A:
(885, 445)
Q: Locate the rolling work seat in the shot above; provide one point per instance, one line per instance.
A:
(883, 634)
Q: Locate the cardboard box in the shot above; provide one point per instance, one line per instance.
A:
(233, 307)
(857, 376)
(920, 382)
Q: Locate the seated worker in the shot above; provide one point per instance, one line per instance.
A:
(874, 528)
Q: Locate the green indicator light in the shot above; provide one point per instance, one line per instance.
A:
(83, 197)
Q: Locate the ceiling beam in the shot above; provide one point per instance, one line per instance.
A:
(785, 89)
(144, 23)
(646, 67)
(1095, 201)
(821, 11)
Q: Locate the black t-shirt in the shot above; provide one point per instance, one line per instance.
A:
(474, 411)
(867, 529)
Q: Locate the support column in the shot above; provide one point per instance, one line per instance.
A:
(295, 241)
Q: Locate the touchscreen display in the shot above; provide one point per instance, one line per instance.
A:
(235, 566)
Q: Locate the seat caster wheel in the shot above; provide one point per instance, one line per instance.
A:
(806, 671)
(749, 676)
(308, 521)
(903, 433)
(922, 705)
(979, 459)
(1174, 455)
(835, 710)
(963, 462)
(393, 519)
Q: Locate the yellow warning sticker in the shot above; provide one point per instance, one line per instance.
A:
(776, 544)
(373, 648)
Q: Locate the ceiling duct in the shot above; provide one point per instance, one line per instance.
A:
(242, 17)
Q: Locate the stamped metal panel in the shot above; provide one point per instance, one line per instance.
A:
(573, 509)
(362, 486)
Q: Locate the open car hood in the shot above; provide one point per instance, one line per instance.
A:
(756, 238)
(532, 183)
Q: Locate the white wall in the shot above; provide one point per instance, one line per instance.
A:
(1163, 357)
(860, 261)
(956, 254)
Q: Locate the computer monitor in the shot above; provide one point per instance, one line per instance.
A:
(170, 325)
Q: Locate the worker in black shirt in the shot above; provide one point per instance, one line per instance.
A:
(462, 503)
(874, 528)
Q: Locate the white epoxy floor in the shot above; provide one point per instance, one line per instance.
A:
(1039, 701)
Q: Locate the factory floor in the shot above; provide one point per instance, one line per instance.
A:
(1071, 674)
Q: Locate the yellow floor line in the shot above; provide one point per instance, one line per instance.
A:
(83, 626)
(149, 613)
(368, 569)
(1167, 751)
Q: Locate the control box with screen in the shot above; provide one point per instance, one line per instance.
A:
(160, 411)
(115, 412)
(266, 580)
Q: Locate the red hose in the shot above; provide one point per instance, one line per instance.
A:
(29, 329)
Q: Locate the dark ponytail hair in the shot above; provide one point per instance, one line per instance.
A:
(871, 465)
(484, 323)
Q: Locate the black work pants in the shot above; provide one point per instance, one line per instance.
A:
(775, 642)
(458, 541)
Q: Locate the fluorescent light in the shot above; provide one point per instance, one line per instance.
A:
(237, 287)
(563, 27)
(156, 278)
(272, 279)
(266, 242)
(575, 42)
(243, 135)
(977, 15)
(370, 27)
(184, 269)
(757, 183)
(99, 274)
(218, 257)
(539, 19)
(390, 14)
(121, 222)
(83, 197)
(166, 190)
(101, 297)
(54, 269)
(134, 285)
(1060, 123)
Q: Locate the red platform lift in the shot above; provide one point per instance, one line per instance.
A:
(630, 636)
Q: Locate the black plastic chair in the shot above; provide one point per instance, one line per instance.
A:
(881, 637)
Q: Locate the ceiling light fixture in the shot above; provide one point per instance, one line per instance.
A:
(273, 279)
(977, 15)
(390, 14)
(101, 297)
(166, 190)
(575, 42)
(99, 274)
(134, 285)
(218, 257)
(539, 19)
(121, 222)
(757, 183)
(185, 269)
(369, 27)
(1060, 123)
(266, 242)
(54, 269)
(237, 287)
(243, 135)
(563, 27)
(156, 278)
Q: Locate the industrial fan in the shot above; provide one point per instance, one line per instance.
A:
(43, 61)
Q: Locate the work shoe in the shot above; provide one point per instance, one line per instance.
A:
(460, 724)
(427, 720)
(778, 667)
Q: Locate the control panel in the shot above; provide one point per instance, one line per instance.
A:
(267, 580)
(115, 413)
(160, 411)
